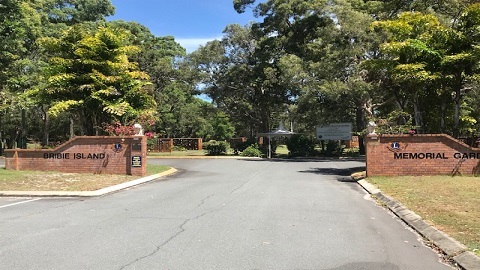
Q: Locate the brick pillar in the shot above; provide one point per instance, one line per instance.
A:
(170, 145)
(200, 144)
(13, 162)
(372, 141)
(138, 156)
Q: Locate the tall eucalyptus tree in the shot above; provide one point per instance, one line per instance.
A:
(329, 40)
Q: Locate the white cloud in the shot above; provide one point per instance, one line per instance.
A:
(191, 44)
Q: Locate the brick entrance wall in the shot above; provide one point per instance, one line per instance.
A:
(85, 154)
(429, 154)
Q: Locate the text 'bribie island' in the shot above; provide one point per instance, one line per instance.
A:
(74, 155)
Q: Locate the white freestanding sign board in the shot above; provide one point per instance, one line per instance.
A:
(335, 131)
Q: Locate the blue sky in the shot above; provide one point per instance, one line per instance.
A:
(191, 22)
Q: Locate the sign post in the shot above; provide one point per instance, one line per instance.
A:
(335, 131)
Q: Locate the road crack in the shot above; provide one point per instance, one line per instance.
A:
(249, 179)
(204, 200)
(175, 235)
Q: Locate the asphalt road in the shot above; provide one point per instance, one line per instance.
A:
(216, 214)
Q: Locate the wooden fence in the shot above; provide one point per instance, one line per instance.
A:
(168, 144)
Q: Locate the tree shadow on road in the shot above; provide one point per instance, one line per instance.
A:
(343, 173)
(303, 159)
(335, 171)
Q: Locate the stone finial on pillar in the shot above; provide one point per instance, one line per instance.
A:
(371, 130)
(138, 129)
(371, 127)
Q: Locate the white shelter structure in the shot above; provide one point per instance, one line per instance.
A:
(279, 132)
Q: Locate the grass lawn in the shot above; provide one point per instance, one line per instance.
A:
(451, 204)
(282, 150)
(59, 181)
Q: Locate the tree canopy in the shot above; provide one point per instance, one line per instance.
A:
(91, 76)
(405, 64)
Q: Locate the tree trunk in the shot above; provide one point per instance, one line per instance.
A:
(417, 113)
(72, 134)
(95, 126)
(457, 99)
(266, 121)
(15, 134)
(1, 137)
(23, 131)
(456, 116)
(443, 107)
(360, 122)
(364, 111)
(46, 127)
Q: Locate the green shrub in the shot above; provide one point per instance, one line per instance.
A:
(151, 143)
(216, 148)
(252, 151)
(239, 146)
(351, 152)
(301, 145)
(333, 148)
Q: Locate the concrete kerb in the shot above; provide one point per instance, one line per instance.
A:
(451, 247)
(94, 193)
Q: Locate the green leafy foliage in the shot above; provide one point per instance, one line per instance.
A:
(300, 145)
(333, 149)
(216, 148)
(252, 151)
(77, 11)
(181, 114)
(90, 74)
(303, 62)
(427, 60)
(397, 122)
(241, 82)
